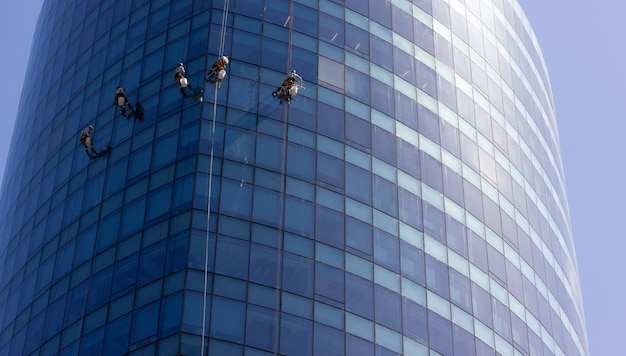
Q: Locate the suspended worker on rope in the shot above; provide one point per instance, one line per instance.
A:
(122, 101)
(289, 88)
(87, 141)
(183, 83)
(217, 72)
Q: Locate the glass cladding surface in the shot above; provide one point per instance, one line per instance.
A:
(409, 199)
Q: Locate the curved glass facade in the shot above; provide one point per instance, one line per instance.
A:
(409, 201)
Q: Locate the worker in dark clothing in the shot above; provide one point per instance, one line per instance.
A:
(87, 141)
(289, 88)
(122, 101)
(217, 71)
(183, 84)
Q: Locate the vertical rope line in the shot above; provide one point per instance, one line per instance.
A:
(282, 196)
(210, 182)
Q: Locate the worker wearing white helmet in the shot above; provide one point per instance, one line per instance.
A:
(86, 140)
(217, 71)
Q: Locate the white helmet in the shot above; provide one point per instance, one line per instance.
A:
(224, 59)
(90, 127)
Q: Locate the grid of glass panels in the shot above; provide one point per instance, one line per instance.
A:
(410, 200)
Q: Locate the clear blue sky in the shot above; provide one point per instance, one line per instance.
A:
(584, 45)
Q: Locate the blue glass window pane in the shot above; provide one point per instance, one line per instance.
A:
(239, 199)
(192, 312)
(297, 274)
(404, 67)
(145, 322)
(184, 193)
(328, 341)
(477, 250)
(386, 250)
(357, 39)
(54, 317)
(412, 263)
(299, 216)
(356, 346)
(329, 282)
(453, 185)
(85, 243)
(359, 235)
(406, 108)
(171, 311)
(384, 145)
(227, 319)
(74, 309)
(246, 47)
(331, 29)
(188, 140)
(329, 227)
(434, 222)
(358, 131)
(260, 327)
(440, 333)
(132, 217)
(125, 274)
(100, 287)
(116, 177)
(330, 121)
(273, 53)
(151, 263)
(116, 336)
(264, 265)
(64, 260)
(437, 277)
(358, 184)
(463, 341)
(502, 320)
(266, 206)
(432, 172)
(331, 72)
(382, 97)
(385, 196)
(269, 153)
(387, 308)
(249, 7)
(159, 202)
(380, 11)
(239, 144)
(356, 85)
(296, 337)
(379, 53)
(35, 331)
(231, 257)
(414, 321)
(197, 250)
(176, 254)
(164, 151)
(301, 162)
(158, 21)
(426, 79)
(481, 303)
(330, 170)
(359, 296)
(460, 290)
(276, 12)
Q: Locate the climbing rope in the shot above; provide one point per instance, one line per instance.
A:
(210, 181)
(281, 218)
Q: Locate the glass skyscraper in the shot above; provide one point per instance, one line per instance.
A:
(409, 201)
